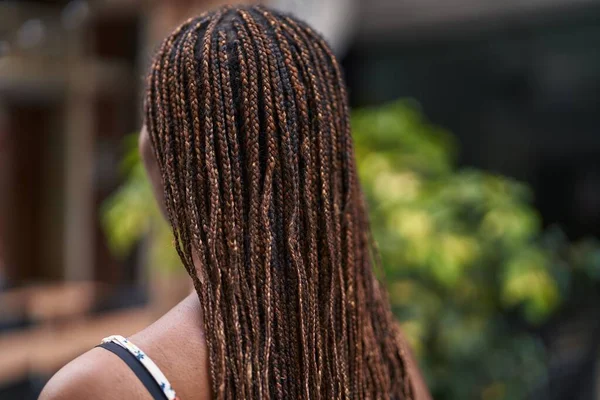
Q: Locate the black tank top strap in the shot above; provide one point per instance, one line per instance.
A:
(142, 366)
(138, 369)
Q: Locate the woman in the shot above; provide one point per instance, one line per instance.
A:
(247, 142)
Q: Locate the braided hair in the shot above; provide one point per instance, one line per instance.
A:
(248, 117)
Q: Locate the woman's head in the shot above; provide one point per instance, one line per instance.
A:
(247, 116)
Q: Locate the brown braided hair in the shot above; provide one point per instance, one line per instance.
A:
(248, 117)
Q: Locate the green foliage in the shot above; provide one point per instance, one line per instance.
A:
(462, 257)
(131, 214)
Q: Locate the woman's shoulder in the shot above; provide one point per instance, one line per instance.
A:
(97, 374)
(175, 343)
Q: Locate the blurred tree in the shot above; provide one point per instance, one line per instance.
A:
(470, 273)
(458, 250)
(131, 214)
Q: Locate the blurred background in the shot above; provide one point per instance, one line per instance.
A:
(477, 136)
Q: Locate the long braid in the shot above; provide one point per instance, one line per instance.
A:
(338, 377)
(251, 128)
(248, 118)
(286, 118)
(309, 182)
(296, 91)
(267, 192)
(334, 127)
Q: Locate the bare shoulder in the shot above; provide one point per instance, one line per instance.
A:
(176, 345)
(97, 374)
